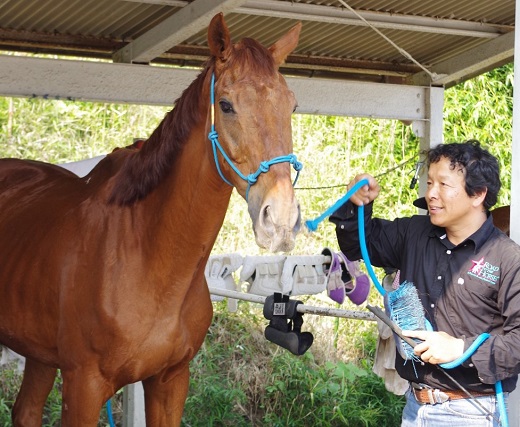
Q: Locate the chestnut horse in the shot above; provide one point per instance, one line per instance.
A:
(501, 218)
(102, 277)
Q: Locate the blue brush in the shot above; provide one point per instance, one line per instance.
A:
(404, 308)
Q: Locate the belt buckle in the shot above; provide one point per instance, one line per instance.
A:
(437, 396)
(434, 394)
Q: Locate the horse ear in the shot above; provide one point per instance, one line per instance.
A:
(283, 47)
(218, 37)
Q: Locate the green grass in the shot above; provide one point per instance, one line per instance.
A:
(10, 381)
(240, 379)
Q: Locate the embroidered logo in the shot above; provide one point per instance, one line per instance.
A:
(483, 270)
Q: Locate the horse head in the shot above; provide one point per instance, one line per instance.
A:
(252, 116)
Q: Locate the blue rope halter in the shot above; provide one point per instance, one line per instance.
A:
(264, 166)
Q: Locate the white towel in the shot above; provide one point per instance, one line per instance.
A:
(263, 274)
(384, 361)
(219, 272)
(304, 275)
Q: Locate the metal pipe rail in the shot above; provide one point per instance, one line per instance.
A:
(301, 308)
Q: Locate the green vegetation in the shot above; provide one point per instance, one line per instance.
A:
(251, 382)
(240, 379)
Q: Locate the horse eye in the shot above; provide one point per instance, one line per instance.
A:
(295, 108)
(226, 107)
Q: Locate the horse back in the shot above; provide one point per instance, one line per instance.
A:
(30, 182)
(43, 209)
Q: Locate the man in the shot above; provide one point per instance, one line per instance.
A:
(467, 273)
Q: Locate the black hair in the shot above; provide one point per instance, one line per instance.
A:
(481, 169)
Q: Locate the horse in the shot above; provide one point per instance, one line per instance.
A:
(501, 218)
(102, 276)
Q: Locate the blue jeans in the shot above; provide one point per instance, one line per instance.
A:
(453, 413)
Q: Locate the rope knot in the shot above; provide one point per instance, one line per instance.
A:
(264, 167)
(213, 134)
(298, 166)
(251, 179)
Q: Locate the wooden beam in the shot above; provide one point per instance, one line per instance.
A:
(473, 62)
(191, 19)
(144, 84)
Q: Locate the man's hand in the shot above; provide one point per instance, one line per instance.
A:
(436, 347)
(367, 193)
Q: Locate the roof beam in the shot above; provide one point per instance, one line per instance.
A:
(74, 80)
(473, 62)
(382, 20)
(336, 15)
(188, 21)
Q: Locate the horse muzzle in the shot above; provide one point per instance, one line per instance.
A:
(278, 220)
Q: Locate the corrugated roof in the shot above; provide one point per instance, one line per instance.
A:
(334, 42)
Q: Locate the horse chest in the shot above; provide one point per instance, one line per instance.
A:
(162, 327)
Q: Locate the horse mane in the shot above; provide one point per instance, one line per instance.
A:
(143, 170)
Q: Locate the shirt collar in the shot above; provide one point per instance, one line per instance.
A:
(483, 234)
(478, 238)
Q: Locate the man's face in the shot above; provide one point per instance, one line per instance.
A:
(448, 203)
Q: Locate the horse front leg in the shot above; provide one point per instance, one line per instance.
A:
(165, 396)
(84, 393)
(37, 383)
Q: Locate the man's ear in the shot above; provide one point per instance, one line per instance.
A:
(478, 199)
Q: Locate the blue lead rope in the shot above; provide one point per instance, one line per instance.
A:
(312, 225)
(498, 385)
(109, 413)
(364, 251)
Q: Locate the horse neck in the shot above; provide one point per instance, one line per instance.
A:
(191, 203)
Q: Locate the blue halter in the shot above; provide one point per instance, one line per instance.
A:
(264, 166)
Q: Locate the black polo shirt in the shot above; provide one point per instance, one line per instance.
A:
(467, 289)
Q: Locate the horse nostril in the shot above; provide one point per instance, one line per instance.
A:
(277, 224)
(267, 221)
(266, 210)
(298, 223)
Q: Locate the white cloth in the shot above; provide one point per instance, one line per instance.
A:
(384, 361)
(219, 272)
(289, 275)
(263, 274)
(8, 356)
(304, 274)
(82, 167)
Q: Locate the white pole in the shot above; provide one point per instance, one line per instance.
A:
(514, 398)
(133, 406)
(432, 133)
